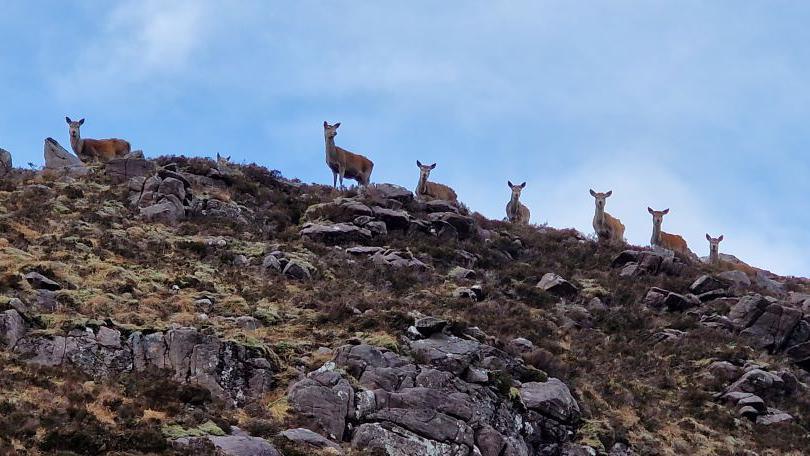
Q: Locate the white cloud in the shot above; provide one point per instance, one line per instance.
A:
(140, 41)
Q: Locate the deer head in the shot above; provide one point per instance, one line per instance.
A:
(601, 198)
(330, 131)
(424, 170)
(74, 128)
(714, 245)
(223, 161)
(658, 217)
(516, 189)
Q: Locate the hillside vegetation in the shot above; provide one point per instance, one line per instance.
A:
(170, 307)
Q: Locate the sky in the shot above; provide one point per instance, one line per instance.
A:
(696, 106)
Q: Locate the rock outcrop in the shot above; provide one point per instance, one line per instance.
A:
(58, 159)
(6, 164)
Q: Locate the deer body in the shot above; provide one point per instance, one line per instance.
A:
(607, 227)
(95, 149)
(517, 212)
(432, 190)
(667, 241)
(345, 164)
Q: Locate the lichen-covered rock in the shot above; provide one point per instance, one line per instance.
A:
(325, 400)
(773, 328)
(12, 328)
(336, 233)
(5, 162)
(57, 159)
(551, 398)
(230, 371)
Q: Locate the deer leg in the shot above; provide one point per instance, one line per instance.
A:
(334, 179)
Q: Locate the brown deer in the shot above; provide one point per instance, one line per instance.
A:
(432, 190)
(673, 242)
(714, 248)
(345, 164)
(517, 212)
(95, 149)
(607, 227)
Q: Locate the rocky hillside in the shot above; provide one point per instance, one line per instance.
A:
(172, 306)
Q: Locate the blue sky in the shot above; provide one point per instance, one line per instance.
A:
(697, 106)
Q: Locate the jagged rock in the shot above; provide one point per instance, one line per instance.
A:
(724, 370)
(335, 233)
(271, 263)
(12, 328)
(774, 416)
(713, 295)
(762, 280)
(735, 278)
(123, 169)
(440, 206)
(363, 250)
(621, 449)
(394, 192)
(172, 186)
(229, 445)
(596, 304)
(800, 333)
(214, 208)
(299, 269)
(655, 298)
(6, 164)
(170, 172)
(325, 400)
(748, 412)
(40, 282)
(705, 284)
(757, 381)
(772, 329)
(461, 273)
(675, 302)
(464, 226)
(394, 220)
(377, 228)
(398, 259)
(754, 401)
(551, 398)
(799, 353)
(60, 160)
(169, 210)
(428, 326)
(467, 293)
(747, 310)
(340, 210)
(232, 372)
(556, 285)
(310, 439)
(519, 346)
(667, 335)
(392, 440)
(624, 258)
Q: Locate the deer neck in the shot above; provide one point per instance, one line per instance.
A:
(76, 144)
(421, 187)
(656, 235)
(599, 216)
(331, 149)
(514, 204)
(714, 257)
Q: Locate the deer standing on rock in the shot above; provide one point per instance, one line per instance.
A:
(672, 242)
(607, 227)
(517, 212)
(345, 164)
(95, 149)
(714, 248)
(432, 190)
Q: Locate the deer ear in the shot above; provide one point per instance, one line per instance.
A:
(67, 119)
(218, 157)
(418, 163)
(593, 193)
(523, 185)
(665, 211)
(708, 238)
(325, 124)
(720, 239)
(649, 209)
(607, 195)
(433, 166)
(81, 121)
(509, 183)
(337, 124)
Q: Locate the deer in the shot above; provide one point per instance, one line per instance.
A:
(714, 249)
(95, 149)
(432, 190)
(517, 212)
(607, 227)
(672, 242)
(345, 164)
